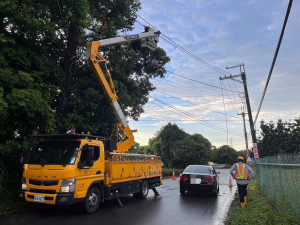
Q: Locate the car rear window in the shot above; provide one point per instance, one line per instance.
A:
(197, 169)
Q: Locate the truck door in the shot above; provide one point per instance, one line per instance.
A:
(89, 171)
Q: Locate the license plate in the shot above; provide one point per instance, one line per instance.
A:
(39, 198)
(196, 181)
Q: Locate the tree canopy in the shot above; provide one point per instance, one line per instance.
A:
(279, 138)
(178, 148)
(226, 155)
(45, 84)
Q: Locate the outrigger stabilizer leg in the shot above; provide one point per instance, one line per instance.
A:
(120, 203)
(155, 192)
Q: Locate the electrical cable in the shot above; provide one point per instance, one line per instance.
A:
(194, 56)
(194, 104)
(185, 50)
(275, 57)
(233, 94)
(182, 86)
(213, 126)
(176, 74)
(183, 120)
(229, 97)
(225, 112)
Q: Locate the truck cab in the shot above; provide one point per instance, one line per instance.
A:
(61, 169)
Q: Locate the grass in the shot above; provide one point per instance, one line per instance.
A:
(258, 210)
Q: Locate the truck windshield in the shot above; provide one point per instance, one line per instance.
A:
(55, 153)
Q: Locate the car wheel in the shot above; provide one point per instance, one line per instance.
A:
(182, 191)
(216, 192)
(92, 200)
(144, 189)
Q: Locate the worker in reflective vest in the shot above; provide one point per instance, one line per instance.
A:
(242, 173)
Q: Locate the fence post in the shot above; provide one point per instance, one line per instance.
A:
(280, 173)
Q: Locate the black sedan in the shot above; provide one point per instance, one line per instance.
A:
(199, 178)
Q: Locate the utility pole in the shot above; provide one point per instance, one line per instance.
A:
(244, 82)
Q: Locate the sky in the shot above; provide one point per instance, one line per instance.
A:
(223, 33)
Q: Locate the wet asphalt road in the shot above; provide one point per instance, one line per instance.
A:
(170, 208)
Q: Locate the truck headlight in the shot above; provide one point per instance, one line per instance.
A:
(24, 185)
(68, 185)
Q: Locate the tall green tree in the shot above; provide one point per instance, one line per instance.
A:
(179, 149)
(45, 84)
(165, 141)
(225, 155)
(194, 149)
(279, 138)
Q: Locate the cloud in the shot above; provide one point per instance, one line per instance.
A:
(223, 33)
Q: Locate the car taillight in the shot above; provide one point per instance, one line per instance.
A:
(209, 179)
(182, 177)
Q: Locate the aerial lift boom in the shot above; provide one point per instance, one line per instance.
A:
(149, 39)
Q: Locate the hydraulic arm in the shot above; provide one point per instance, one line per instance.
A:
(149, 39)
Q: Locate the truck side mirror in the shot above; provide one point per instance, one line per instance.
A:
(89, 161)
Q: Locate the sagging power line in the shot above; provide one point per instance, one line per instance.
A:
(194, 104)
(274, 58)
(213, 126)
(170, 41)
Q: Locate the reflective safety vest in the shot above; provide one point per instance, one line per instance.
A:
(241, 173)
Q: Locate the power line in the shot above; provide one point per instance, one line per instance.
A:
(170, 41)
(233, 94)
(225, 113)
(181, 48)
(178, 84)
(275, 57)
(229, 98)
(179, 120)
(193, 103)
(195, 117)
(193, 56)
(200, 120)
(176, 74)
(243, 97)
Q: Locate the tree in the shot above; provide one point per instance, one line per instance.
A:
(279, 138)
(178, 149)
(44, 83)
(194, 149)
(166, 140)
(225, 155)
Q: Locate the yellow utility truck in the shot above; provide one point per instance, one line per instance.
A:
(68, 168)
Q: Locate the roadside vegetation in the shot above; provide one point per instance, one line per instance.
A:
(167, 172)
(179, 149)
(258, 210)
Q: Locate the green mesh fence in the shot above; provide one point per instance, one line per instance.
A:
(279, 178)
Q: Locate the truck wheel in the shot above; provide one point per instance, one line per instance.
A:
(144, 189)
(92, 200)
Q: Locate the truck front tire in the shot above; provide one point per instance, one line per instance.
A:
(92, 200)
